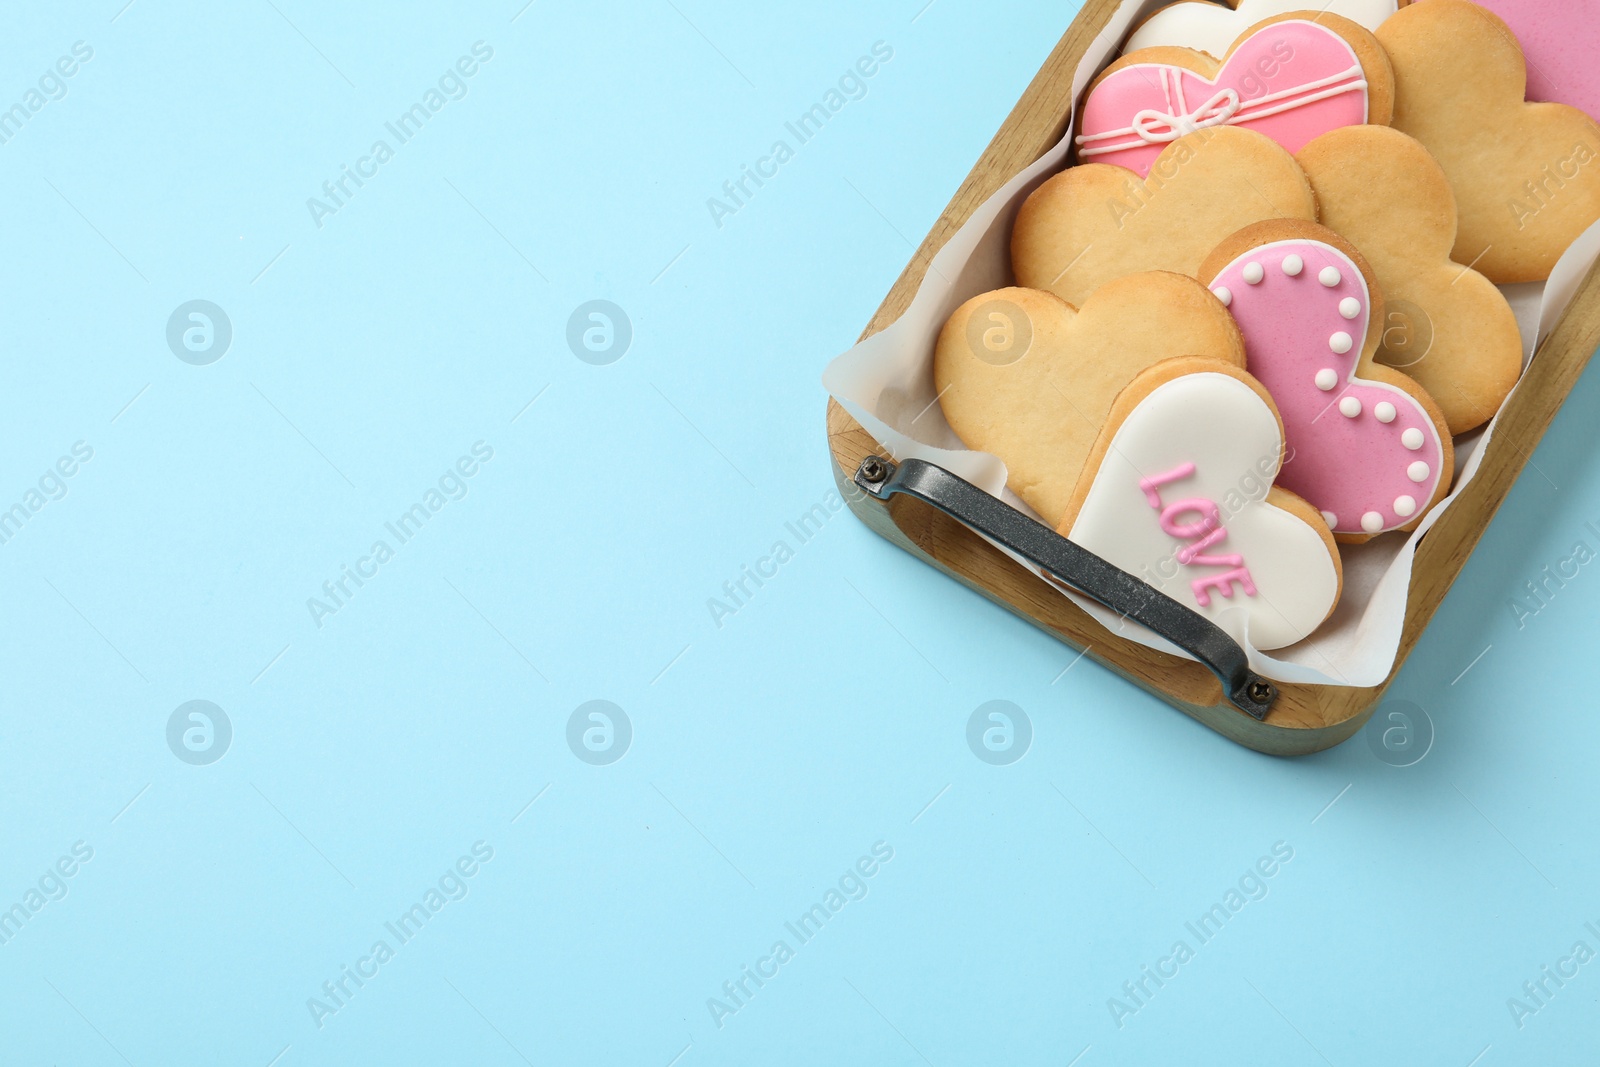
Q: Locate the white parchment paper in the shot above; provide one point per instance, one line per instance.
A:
(886, 383)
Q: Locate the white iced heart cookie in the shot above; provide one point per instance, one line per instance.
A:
(1179, 493)
(1213, 28)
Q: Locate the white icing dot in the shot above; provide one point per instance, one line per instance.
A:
(1326, 379)
(1405, 506)
(1253, 273)
(1372, 522)
(1224, 294)
(1349, 407)
(1293, 265)
(1384, 412)
(1330, 518)
(1341, 342)
(1418, 471)
(1330, 277)
(1349, 307)
(1412, 438)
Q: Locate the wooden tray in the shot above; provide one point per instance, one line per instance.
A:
(1306, 718)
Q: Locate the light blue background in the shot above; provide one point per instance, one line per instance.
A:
(768, 753)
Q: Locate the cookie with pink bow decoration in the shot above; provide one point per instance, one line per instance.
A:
(1371, 450)
(1292, 78)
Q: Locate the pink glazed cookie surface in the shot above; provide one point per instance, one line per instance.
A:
(1292, 80)
(1561, 41)
(1367, 454)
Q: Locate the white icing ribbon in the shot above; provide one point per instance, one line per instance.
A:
(1152, 126)
(1159, 127)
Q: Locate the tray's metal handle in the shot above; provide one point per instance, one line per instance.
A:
(1077, 568)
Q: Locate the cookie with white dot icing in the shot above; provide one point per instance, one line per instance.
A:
(1370, 448)
(1445, 324)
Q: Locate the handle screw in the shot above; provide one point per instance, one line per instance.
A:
(873, 469)
(1261, 692)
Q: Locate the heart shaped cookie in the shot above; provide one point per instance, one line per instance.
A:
(1560, 42)
(1094, 223)
(1022, 374)
(1212, 28)
(1178, 492)
(1290, 78)
(1370, 451)
(1526, 176)
(1444, 324)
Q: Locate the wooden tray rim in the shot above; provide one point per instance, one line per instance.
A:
(1308, 718)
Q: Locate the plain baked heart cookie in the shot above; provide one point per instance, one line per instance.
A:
(1291, 78)
(1444, 324)
(1178, 492)
(1212, 28)
(1095, 223)
(1526, 176)
(1370, 449)
(1023, 375)
(1560, 40)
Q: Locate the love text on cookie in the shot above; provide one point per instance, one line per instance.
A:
(1202, 534)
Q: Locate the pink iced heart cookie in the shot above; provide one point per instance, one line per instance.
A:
(1560, 39)
(1179, 493)
(1289, 78)
(1369, 451)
